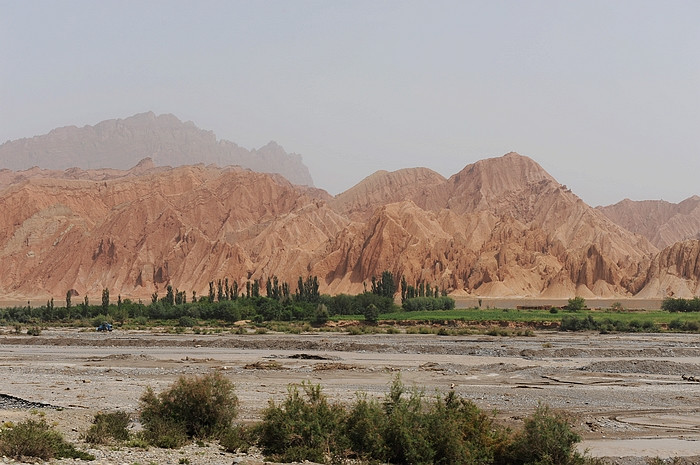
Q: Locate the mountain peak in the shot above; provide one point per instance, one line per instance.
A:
(122, 143)
(481, 183)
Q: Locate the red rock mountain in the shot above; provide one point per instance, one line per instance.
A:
(122, 143)
(663, 223)
(499, 227)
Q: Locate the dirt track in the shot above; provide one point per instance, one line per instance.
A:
(620, 388)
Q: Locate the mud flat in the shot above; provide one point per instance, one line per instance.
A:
(629, 394)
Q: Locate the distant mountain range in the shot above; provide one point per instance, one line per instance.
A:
(122, 143)
(499, 227)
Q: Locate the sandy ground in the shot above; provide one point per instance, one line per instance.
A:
(626, 393)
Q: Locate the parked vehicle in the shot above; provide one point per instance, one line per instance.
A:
(105, 327)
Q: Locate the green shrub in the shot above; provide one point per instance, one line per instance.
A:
(199, 406)
(238, 439)
(679, 325)
(403, 428)
(366, 423)
(405, 433)
(165, 433)
(461, 433)
(186, 321)
(572, 323)
(354, 330)
(304, 427)
(321, 314)
(576, 304)
(546, 439)
(617, 307)
(34, 331)
(691, 326)
(428, 303)
(108, 427)
(37, 439)
(681, 305)
(99, 319)
(371, 313)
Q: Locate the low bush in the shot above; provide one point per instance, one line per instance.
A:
(34, 331)
(304, 427)
(199, 406)
(371, 313)
(321, 314)
(428, 303)
(576, 304)
(37, 439)
(687, 326)
(681, 305)
(546, 439)
(186, 321)
(572, 323)
(405, 427)
(238, 439)
(108, 427)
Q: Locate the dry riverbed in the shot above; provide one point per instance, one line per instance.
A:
(630, 394)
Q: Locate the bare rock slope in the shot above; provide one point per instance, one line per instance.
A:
(122, 143)
(499, 227)
(663, 223)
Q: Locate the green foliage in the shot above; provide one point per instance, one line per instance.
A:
(366, 423)
(321, 314)
(307, 290)
(460, 433)
(108, 427)
(386, 285)
(572, 323)
(405, 427)
(681, 305)
(238, 439)
(165, 432)
(617, 307)
(576, 304)
(546, 439)
(607, 325)
(304, 427)
(200, 406)
(405, 432)
(428, 303)
(37, 439)
(421, 289)
(371, 313)
(105, 300)
(34, 331)
(186, 321)
(687, 326)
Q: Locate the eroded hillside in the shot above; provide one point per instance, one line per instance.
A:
(499, 227)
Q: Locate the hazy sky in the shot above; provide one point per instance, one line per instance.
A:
(605, 95)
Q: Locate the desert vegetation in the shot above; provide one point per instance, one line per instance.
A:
(405, 426)
(36, 439)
